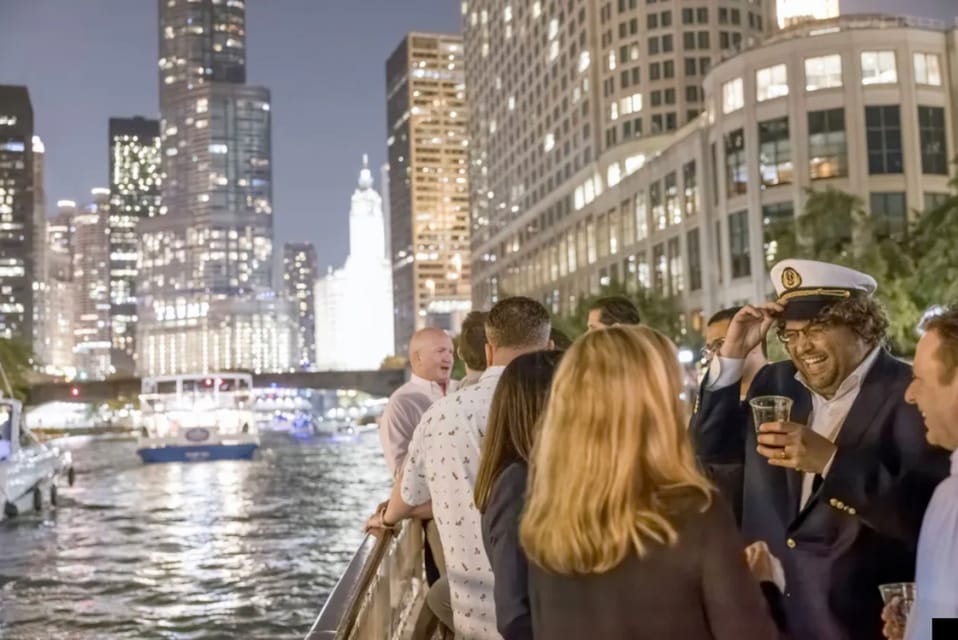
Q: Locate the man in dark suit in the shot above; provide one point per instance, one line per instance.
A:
(838, 490)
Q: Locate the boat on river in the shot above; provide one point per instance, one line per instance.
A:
(197, 417)
(29, 469)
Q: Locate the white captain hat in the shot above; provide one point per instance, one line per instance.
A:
(806, 287)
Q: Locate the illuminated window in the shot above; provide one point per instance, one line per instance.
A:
(771, 82)
(878, 67)
(733, 96)
(823, 72)
(927, 70)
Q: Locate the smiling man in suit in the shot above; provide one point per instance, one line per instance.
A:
(839, 490)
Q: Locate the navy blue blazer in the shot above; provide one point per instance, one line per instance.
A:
(859, 529)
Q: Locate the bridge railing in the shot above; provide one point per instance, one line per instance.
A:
(379, 592)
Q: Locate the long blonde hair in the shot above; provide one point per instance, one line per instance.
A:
(613, 464)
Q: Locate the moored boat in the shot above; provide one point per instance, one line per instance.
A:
(29, 469)
(198, 417)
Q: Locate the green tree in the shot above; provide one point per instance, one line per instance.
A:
(657, 311)
(934, 243)
(16, 358)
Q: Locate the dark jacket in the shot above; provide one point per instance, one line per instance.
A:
(500, 535)
(860, 526)
(699, 589)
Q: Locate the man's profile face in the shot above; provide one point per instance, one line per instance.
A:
(935, 397)
(824, 354)
(594, 320)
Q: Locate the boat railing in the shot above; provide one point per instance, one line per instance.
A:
(379, 593)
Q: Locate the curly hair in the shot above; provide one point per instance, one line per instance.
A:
(864, 315)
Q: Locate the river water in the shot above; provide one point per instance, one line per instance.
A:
(206, 550)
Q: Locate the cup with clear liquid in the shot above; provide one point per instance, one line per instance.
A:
(770, 409)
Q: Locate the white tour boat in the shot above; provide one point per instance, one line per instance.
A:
(193, 418)
(29, 469)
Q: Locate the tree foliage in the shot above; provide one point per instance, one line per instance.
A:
(914, 270)
(657, 311)
(17, 361)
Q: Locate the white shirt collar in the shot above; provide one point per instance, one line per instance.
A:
(852, 383)
(428, 385)
(492, 372)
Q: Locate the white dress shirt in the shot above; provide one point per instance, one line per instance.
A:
(828, 415)
(936, 589)
(401, 415)
(442, 465)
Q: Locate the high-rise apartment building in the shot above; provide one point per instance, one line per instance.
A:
(210, 245)
(91, 278)
(300, 271)
(17, 268)
(60, 292)
(39, 250)
(135, 176)
(427, 120)
(567, 99)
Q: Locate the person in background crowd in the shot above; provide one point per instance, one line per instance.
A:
(715, 330)
(501, 482)
(431, 360)
(728, 477)
(839, 489)
(559, 340)
(443, 462)
(472, 347)
(606, 312)
(934, 390)
(625, 538)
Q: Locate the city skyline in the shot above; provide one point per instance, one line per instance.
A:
(308, 154)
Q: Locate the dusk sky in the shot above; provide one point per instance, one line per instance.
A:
(323, 60)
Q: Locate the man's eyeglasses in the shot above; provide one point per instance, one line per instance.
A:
(811, 332)
(711, 349)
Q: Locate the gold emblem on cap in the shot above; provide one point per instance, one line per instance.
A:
(791, 279)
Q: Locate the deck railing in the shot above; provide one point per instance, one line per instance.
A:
(380, 591)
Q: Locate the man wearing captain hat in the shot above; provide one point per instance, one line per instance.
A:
(838, 490)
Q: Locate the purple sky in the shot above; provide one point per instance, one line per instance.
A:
(87, 60)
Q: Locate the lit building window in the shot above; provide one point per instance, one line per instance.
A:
(927, 70)
(733, 96)
(550, 142)
(614, 174)
(553, 28)
(771, 82)
(823, 72)
(612, 61)
(878, 67)
(584, 61)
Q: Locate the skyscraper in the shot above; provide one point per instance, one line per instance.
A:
(39, 250)
(61, 298)
(208, 251)
(91, 277)
(567, 99)
(17, 269)
(300, 271)
(792, 12)
(354, 306)
(427, 120)
(134, 195)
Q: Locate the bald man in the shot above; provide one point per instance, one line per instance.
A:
(431, 359)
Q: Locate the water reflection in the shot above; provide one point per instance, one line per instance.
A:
(209, 550)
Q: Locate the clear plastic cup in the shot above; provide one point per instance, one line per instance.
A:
(770, 409)
(905, 591)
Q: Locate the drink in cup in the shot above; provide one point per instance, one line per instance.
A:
(770, 409)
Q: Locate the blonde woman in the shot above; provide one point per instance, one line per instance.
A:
(625, 537)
